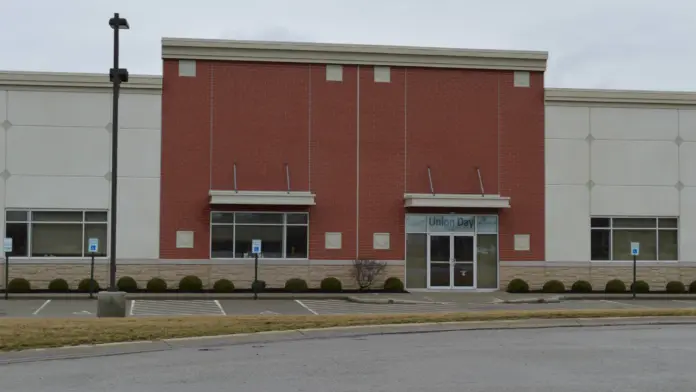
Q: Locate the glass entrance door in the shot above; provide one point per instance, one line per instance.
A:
(451, 261)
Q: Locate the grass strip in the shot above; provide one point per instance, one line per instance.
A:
(25, 333)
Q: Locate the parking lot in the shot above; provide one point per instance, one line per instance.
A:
(140, 307)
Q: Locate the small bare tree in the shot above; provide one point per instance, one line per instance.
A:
(366, 271)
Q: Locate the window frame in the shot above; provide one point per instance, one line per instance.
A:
(29, 222)
(234, 224)
(656, 229)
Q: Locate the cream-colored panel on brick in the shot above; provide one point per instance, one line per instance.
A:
(3, 107)
(635, 163)
(382, 74)
(635, 200)
(567, 223)
(184, 239)
(332, 240)
(687, 163)
(634, 123)
(57, 192)
(187, 68)
(59, 108)
(521, 79)
(380, 241)
(60, 151)
(687, 125)
(334, 72)
(139, 153)
(138, 218)
(567, 161)
(564, 122)
(687, 225)
(140, 111)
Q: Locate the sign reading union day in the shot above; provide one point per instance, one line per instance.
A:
(451, 223)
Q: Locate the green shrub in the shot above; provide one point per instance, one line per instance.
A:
(692, 287)
(19, 285)
(581, 286)
(518, 285)
(258, 285)
(675, 287)
(394, 284)
(190, 283)
(84, 285)
(615, 286)
(127, 284)
(59, 285)
(296, 285)
(641, 286)
(331, 284)
(554, 286)
(156, 285)
(223, 286)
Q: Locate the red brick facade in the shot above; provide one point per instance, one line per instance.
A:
(359, 145)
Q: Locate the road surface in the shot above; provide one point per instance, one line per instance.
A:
(564, 359)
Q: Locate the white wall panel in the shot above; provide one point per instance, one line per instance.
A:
(57, 192)
(138, 218)
(59, 108)
(58, 151)
(687, 125)
(3, 106)
(567, 223)
(687, 225)
(567, 161)
(139, 153)
(687, 163)
(634, 123)
(635, 200)
(564, 122)
(635, 163)
(142, 111)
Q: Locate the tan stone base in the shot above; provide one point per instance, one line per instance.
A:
(656, 276)
(39, 275)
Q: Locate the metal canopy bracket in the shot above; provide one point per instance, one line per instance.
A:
(478, 171)
(430, 178)
(287, 176)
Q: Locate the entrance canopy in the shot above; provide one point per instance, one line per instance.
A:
(455, 200)
(280, 198)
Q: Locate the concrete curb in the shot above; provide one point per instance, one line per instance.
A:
(207, 342)
(539, 300)
(639, 297)
(187, 296)
(387, 301)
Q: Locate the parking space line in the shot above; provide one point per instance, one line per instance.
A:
(306, 307)
(221, 309)
(48, 301)
(132, 307)
(684, 302)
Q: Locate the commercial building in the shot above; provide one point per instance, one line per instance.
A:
(454, 167)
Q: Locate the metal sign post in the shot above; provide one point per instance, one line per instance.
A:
(635, 251)
(7, 248)
(92, 248)
(256, 249)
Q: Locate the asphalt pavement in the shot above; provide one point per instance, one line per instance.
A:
(627, 358)
(308, 306)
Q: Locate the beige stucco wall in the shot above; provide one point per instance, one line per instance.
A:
(39, 275)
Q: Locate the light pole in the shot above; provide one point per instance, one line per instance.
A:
(117, 76)
(112, 303)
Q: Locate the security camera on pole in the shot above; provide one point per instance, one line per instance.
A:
(112, 303)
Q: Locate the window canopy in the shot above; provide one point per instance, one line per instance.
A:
(280, 198)
(424, 200)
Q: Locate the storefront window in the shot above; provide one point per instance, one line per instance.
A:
(611, 238)
(282, 235)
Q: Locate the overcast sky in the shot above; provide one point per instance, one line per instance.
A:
(625, 44)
